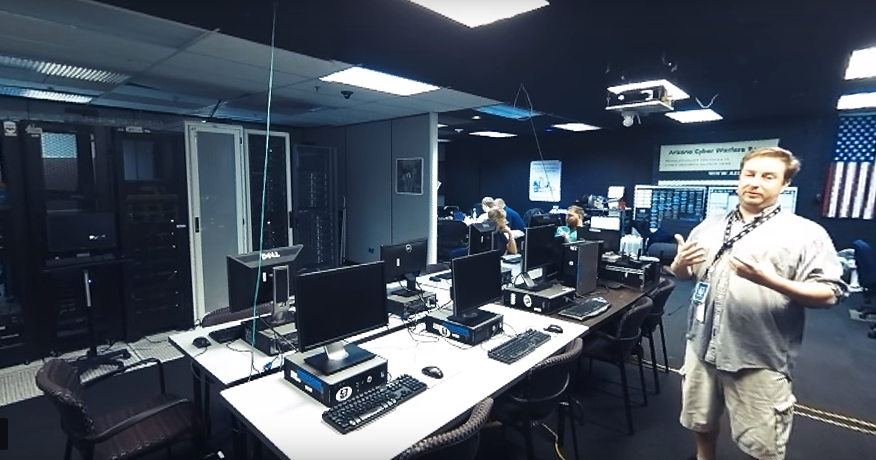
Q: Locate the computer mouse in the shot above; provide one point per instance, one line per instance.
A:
(433, 371)
(554, 328)
(201, 342)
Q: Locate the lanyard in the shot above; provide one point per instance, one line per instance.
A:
(748, 228)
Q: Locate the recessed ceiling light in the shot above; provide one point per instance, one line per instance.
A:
(44, 95)
(695, 116)
(64, 70)
(576, 127)
(862, 64)
(507, 111)
(476, 117)
(378, 81)
(492, 134)
(474, 13)
(856, 101)
(673, 92)
(442, 141)
(441, 126)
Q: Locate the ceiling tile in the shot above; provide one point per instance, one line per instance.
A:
(35, 39)
(334, 89)
(392, 110)
(258, 55)
(194, 67)
(456, 99)
(415, 103)
(339, 117)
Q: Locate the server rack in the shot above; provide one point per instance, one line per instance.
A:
(315, 207)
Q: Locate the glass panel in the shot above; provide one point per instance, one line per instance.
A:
(60, 158)
(217, 174)
(139, 160)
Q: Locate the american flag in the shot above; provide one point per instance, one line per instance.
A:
(851, 182)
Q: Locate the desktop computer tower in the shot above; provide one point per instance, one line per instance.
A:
(580, 266)
(269, 340)
(404, 307)
(545, 301)
(336, 388)
(642, 273)
(439, 324)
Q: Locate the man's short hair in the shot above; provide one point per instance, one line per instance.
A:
(576, 210)
(488, 202)
(499, 202)
(496, 213)
(792, 164)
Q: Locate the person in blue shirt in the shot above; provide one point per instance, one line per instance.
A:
(574, 220)
(514, 219)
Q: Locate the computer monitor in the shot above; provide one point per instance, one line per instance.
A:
(605, 222)
(261, 268)
(80, 232)
(477, 281)
(537, 220)
(539, 251)
(404, 260)
(610, 238)
(332, 305)
(480, 237)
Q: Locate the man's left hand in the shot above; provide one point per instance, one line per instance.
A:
(759, 272)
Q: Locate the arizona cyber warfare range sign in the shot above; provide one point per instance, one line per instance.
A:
(705, 163)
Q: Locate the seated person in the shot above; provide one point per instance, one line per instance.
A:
(514, 219)
(504, 239)
(574, 221)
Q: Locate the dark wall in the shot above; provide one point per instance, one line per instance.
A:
(592, 161)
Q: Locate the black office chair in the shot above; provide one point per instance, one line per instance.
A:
(436, 268)
(132, 431)
(225, 315)
(614, 349)
(452, 236)
(535, 398)
(659, 295)
(460, 443)
(865, 264)
(527, 216)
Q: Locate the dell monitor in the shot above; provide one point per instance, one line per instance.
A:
(260, 277)
(332, 305)
(538, 220)
(610, 238)
(480, 237)
(539, 251)
(404, 261)
(477, 281)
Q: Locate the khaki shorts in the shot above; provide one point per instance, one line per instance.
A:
(759, 402)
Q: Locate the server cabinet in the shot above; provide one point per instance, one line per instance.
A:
(275, 183)
(315, 210)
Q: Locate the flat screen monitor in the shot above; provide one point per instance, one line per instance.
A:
(722, 200)
(332, 305)
(80, 232)
(605, 222)
(480, 237)
(537, 220)
(477, 281)
(610, 238)
(653, 203)
(539, 251)
(252, 280)
(404, 261)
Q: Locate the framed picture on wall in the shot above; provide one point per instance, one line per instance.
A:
(409, 176)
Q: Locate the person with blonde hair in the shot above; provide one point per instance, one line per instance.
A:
(756, 269)
(505, 240)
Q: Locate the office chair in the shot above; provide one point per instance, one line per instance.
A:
(225, 315)
(545, 389)
(129, 432)
(659, 295)
(459, 443)
(527, 216)
(614, 349)
(452, 236)
(436, 268)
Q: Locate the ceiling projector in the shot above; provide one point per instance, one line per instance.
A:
(635, 99)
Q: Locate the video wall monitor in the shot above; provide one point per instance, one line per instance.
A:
(653, 203)
(721, 200)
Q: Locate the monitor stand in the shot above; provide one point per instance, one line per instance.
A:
(281, 316)
(337, 357)
(410, 290)
(532, 286)
(472, 317)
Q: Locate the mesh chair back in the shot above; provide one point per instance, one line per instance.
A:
(629, 329)
(60, 382)
(539, 394)
(660, 295)
(459, 443)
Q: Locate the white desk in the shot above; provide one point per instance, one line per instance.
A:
(290, 422)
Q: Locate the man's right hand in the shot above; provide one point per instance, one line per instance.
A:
(688, 254)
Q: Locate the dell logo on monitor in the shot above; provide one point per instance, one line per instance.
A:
(270, 255)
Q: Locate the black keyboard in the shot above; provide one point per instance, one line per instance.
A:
(519, 346)
(586, 309)
(372, 404)
(442, 276)
(228, 334)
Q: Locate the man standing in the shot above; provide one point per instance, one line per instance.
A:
(514, 219)
(757, 269)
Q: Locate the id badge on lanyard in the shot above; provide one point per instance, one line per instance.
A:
(698, 300)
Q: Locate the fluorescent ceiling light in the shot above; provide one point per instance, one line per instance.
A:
(65, 71)
(673, 92)
(441, 141)
(695, 116)
(44, 95)
(474, 13)
(441, 126)
(507, 111)
(378, 81)
(862, 64)
(492, 134)
(576, 127)
(856, 101)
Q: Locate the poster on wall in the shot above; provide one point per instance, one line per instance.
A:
(409, 176)
(544, 180)
(705, 164)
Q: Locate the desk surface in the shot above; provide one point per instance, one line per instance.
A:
(620, 299)
(289, 422)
